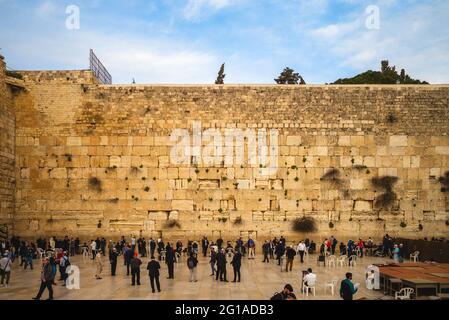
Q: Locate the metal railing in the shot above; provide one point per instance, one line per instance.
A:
(99, 69)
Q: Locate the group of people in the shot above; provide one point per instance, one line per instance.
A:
(133, 249)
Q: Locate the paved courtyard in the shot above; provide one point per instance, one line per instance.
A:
(259, 281)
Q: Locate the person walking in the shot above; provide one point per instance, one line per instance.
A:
(266, 251)
(5, 269)
(347, 288)
(63, 264)
(135, 270)
(236, 264)
(46, 280)
(113, 260)
(301, 250)
(280, 250)
(192, 263)
(290, 254)
(153, 272)
(99, 263)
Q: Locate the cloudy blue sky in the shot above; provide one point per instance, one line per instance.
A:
(185, 41)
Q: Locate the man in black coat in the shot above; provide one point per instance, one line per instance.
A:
(135, 270)
(153, 271)
(280, 250)
(113, 260)
(170, 260)
(152, 247)
(221, 266)
(128, 257)
(236, 264)
(219, 243)
(290, 253)
(266, 251)
(204, 245)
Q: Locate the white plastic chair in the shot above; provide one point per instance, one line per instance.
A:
(414, 256)
(404, 294)
(41, 253)
(341, 261)
(352, 260)
(331, 261)
(305, 290)
(332, 285)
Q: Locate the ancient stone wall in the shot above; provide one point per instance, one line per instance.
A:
(95, 160)
(7, 150)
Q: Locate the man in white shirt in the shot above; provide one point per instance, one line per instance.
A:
(93, 246)
(310, 278)
(301, 249)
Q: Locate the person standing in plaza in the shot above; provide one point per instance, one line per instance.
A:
(152, 247)
(46, 280)
(128, 257)
(99, 264)
(251, 248)
(192, 263)
(280, 250)
(266, 251)
(93, 247)
(113, 260)
(170, 260)
(153, 272)
(221, 266)
(135, 270)
(236, 264)
(347, 288)
(301, 250)
(5, 268)
(290, 254)
(213, 259)
(204, 246)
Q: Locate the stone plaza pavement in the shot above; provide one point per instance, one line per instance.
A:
(259, 281)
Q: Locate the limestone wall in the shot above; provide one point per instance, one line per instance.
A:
(95, 159)
(7, 149)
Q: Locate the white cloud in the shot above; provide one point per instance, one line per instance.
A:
(406, 39)
(195, 9)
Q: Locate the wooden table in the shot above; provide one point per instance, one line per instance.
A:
(421, 284)
(392, 282)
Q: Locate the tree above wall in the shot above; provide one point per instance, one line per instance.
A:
(387, 75)
(289, 76)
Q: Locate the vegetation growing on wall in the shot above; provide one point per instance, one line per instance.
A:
(444, 180)
(332, 176)
(386, 199)
(95, 184)
(305, 224)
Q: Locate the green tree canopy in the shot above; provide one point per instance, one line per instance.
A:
(221, 75)
(386, 75)
(289, 76)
